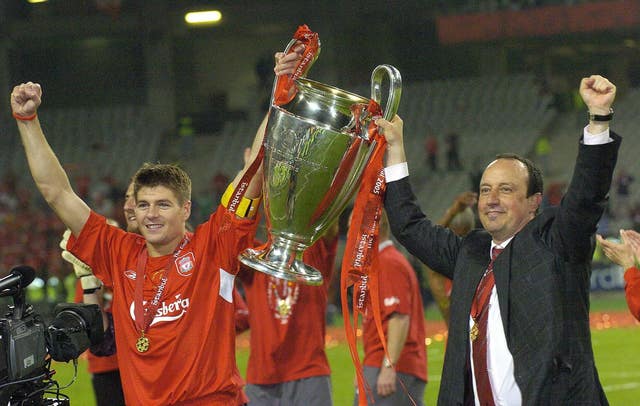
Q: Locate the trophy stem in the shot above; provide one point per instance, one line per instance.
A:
(282, 259)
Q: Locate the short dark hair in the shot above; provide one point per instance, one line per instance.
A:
(170, 176)
(535, 184)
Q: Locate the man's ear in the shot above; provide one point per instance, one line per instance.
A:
(534, 202)
(187, 209)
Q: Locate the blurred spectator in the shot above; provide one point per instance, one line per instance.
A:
(8, 200)
(186, 133)
(431, 150)
(634, 216)
(475, 173)
(553, 195)
(543, 150)
(452, 147)
(208, 200)
(622, 184)
(104, 195)
(83, 184)
(219, 183)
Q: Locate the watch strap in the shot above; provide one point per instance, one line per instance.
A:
(599, 117)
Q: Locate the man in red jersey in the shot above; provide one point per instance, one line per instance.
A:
(404, 373)
(172, 306)
(287, 363)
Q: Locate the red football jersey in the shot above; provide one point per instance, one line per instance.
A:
(399, 293)
(191, 359)
(287, 321)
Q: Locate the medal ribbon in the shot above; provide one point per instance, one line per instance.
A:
(145, 315)
(360, 261)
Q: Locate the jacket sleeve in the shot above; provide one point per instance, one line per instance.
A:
(434, 245)
(585, 201)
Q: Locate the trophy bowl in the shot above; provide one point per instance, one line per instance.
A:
(316, 149)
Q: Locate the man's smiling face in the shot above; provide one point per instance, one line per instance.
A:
(161, 218)
(503, 205)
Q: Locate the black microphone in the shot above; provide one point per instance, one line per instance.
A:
(20, 276)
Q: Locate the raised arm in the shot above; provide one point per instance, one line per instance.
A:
(254, 190)
(432, 244)
(584, 202)
(50, 178)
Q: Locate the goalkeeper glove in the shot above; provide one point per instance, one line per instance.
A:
(83, 272)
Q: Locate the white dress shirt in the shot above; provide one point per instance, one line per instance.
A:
(504, 388)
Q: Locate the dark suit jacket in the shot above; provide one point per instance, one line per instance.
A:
(542, 279)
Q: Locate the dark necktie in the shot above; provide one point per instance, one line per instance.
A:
(478, 333)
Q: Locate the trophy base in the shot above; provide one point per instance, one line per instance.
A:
(281, 264)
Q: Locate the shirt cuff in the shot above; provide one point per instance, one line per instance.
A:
(596, 139)
(396, 172)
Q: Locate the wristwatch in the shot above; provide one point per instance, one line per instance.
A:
(598, 117)
(387, 363)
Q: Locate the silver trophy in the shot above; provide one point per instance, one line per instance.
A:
(316, 149)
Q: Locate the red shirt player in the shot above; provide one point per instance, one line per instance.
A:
(405, 373)
(172, 304)
(287, 362)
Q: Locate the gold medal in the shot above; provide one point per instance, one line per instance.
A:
(283, 307)
(142, 345)
(473, 334)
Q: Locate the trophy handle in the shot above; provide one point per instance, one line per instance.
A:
(395, 88)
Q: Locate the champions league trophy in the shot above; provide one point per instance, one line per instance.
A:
(316, 149)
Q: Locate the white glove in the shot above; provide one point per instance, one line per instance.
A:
(83, 271)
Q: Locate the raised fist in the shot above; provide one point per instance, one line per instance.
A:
(25, 99)
(598, 93)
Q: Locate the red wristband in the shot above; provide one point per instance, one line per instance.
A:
(24, 118)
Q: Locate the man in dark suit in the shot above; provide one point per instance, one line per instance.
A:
(524, 337)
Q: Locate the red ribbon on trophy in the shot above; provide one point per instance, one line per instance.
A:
(285, 88)
(360, 261)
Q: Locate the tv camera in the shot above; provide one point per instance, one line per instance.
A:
(28, 344)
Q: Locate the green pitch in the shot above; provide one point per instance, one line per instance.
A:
(616, 349)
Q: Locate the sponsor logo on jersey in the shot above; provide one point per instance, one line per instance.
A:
(130, 274)
(167, 310)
